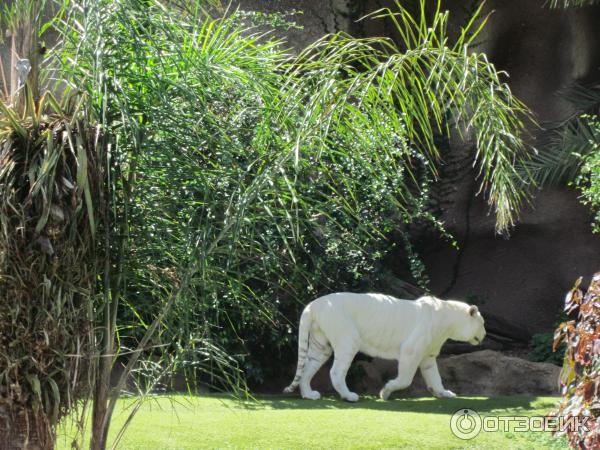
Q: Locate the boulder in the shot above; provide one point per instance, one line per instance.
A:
(485, 372)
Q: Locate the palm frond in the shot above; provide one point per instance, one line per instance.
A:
(571, 3)
(418, 92)
(560, 160)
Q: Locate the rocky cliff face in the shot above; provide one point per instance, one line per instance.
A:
(521, 279)
(524, 278)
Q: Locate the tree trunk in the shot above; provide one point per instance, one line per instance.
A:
(24, 429)
(100, 423)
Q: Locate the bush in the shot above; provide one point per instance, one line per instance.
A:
(542, 349)
(580, 376)
(588, 180)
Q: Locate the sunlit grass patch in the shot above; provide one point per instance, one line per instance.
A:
(183, 422)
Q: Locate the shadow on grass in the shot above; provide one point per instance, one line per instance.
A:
(425, 405)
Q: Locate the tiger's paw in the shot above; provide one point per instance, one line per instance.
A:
(351, 397)
(384, 394)
(444, 394)
(311, 395)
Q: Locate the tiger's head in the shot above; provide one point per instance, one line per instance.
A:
(471, 326)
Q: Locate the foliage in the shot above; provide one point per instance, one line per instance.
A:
(542, 345)
(573, 155)
(433, 87)
(572, 140)
(580, 374)
(588, 180)
(543, 349)
(283, 20)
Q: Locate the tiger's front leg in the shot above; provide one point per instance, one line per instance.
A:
(407, 366)
(433, 380)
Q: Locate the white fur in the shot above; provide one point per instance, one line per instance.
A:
(411, 332)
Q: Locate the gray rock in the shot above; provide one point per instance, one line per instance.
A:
(485, 372)
(491, 373)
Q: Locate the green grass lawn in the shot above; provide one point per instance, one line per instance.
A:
(183, 422)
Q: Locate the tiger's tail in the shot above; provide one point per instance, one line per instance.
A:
(303, 330)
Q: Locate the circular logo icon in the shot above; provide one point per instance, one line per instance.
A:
(465, 424)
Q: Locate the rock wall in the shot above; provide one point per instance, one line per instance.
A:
(522, 279)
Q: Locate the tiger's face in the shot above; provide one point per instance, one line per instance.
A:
(472, 327)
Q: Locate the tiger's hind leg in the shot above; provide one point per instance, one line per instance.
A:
(344, 354)
(319, 352)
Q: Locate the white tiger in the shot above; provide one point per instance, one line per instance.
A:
(411, 332)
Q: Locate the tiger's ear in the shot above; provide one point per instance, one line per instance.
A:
(473, 310)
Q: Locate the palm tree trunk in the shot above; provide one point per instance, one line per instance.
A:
(100, 409)
(21, 426)
(25, 429)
